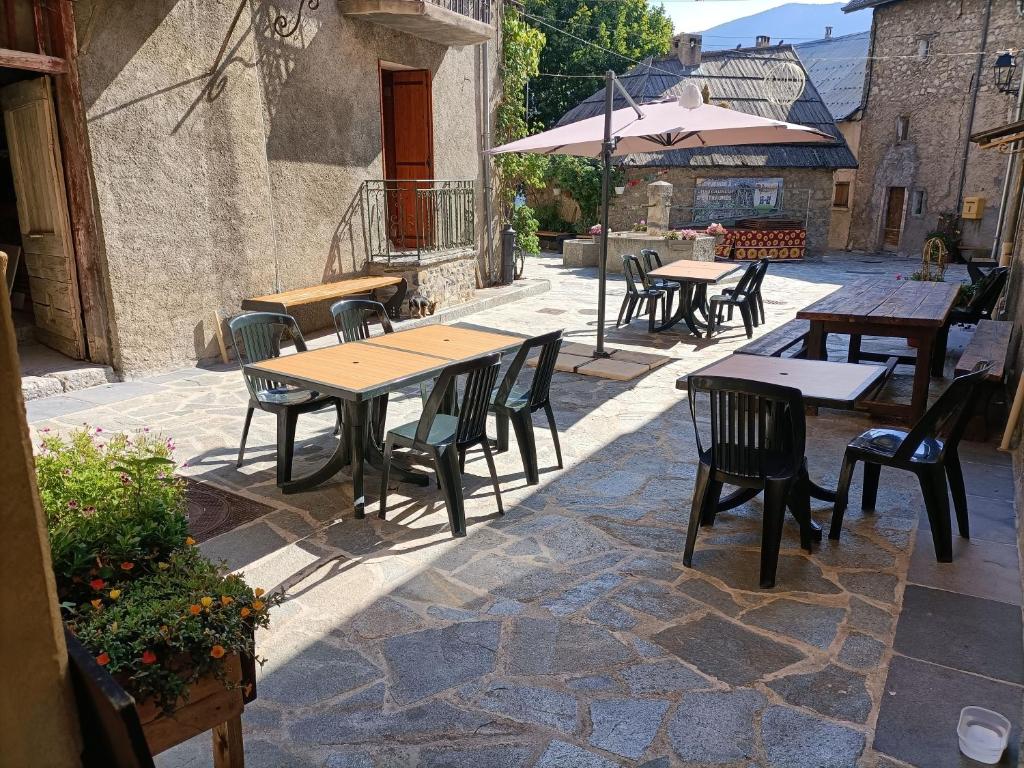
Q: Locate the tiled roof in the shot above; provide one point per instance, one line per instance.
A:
(859, 5)
(736, 77)
(836, 67)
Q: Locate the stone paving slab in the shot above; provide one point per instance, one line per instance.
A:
(531, 640)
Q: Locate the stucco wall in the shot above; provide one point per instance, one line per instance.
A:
(936, 93)
(215, 188)
(808, 191)
(839, 231)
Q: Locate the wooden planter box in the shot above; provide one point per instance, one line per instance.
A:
(210, 706)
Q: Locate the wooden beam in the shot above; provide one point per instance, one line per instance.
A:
(78, 180)
(33, 62)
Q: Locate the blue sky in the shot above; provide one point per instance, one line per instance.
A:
(698, 15)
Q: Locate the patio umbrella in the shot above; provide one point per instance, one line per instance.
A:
(683, 123)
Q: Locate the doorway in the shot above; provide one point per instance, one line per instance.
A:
(407, 138)
(894, 210)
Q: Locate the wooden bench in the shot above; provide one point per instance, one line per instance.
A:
(552, 241)
(286, 301)
(989, 343)
(775, 343)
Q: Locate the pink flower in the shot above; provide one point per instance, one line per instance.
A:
(66, 471)
(72, 504)
(98, 430)
(125, 479)
(89, 511)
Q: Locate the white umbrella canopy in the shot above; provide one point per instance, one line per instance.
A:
(683, 123)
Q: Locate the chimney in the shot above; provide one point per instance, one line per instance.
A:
(763, 41)
(828, 33)
(687, 47)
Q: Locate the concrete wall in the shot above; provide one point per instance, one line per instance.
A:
(216, 187)
(839, 231)
(809, 189)
(936, 94)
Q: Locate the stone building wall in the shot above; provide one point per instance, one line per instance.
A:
(935, 92)
(839, 231)
(215, 187)
(809, 190)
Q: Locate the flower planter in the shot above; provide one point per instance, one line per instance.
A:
(210, 706)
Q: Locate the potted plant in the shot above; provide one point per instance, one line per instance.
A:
(172, 627)
(640, 226)
(593, 232)
(717, 231)
(618, 180)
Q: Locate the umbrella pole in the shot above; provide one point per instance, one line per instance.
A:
(607, 147)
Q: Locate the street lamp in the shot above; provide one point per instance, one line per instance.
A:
(1004, 69)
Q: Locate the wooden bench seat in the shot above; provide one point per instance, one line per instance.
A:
(989, 343)
(775, 343)
(353, 286)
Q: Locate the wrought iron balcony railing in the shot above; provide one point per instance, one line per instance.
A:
(410, 221)
(474, 9)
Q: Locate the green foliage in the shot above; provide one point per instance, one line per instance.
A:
(132, 585)
(525, 223)
(521, 46)
(628, 27)
(550, 218)
(581, 178)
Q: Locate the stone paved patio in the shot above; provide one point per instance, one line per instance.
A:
(567, 633)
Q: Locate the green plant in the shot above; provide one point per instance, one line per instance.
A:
(133, 587)
(521, 46)
(966, 293)
(549, 217)
(581, 178)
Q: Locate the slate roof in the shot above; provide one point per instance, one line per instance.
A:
(836, 66)
(737, 77)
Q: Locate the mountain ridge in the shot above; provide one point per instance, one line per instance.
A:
(792, 23)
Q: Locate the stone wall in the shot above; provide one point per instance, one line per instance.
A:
(936, 93)
(214, 188)
(446, 281)
(808, 189)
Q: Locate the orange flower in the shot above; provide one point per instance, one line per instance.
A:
(115, 593)
(126, 566)
(190, 541)
(206, 601)
(164, 630)
(257, 605)
(194, 609)
(226, 600)
(259, 592)
(217, 651)
(148, 657)
(97, 603)
(103, 659)
(97, 584)
(244, 612)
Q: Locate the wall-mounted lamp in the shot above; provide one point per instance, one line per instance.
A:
(1004, 69)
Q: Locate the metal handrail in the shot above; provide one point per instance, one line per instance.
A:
(412, 221)
(474, 9)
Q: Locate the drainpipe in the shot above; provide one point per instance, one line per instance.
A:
(974, 104)
(1007, 180)
(486, 158)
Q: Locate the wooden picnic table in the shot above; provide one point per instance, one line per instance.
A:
(363, 372)
(694, 277)
(822, 383)
(915, 310)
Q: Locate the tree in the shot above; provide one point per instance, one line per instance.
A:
(520, 58)
(627, 27)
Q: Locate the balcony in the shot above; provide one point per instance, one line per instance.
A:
(448, 22)
(416, 221)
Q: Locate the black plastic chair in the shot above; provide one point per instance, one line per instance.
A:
(755, 300)
(983, 302)
(352, 316)
(258, 336)
(758, 434)
(650, 260)
(515, 404)
(445, 437)
(739, 297)
(637, 291)
(922, 452)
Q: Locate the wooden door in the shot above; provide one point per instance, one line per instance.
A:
(408, 136)
(43, 214)
(893, 218)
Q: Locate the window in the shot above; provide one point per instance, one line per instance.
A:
(917, 203)
(922, 48)
(841, 195)
(902, 128)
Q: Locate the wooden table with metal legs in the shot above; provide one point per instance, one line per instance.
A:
(694, 277)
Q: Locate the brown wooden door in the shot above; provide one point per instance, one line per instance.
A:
(43, 214)
(408, 136)
(893, 217)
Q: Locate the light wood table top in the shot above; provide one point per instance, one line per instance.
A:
(339, 289)
(359, 370)
(695, 271)
(835, 385)
(886, 302)
(451, 342)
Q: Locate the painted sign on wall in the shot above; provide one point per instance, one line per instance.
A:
(732, 198)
